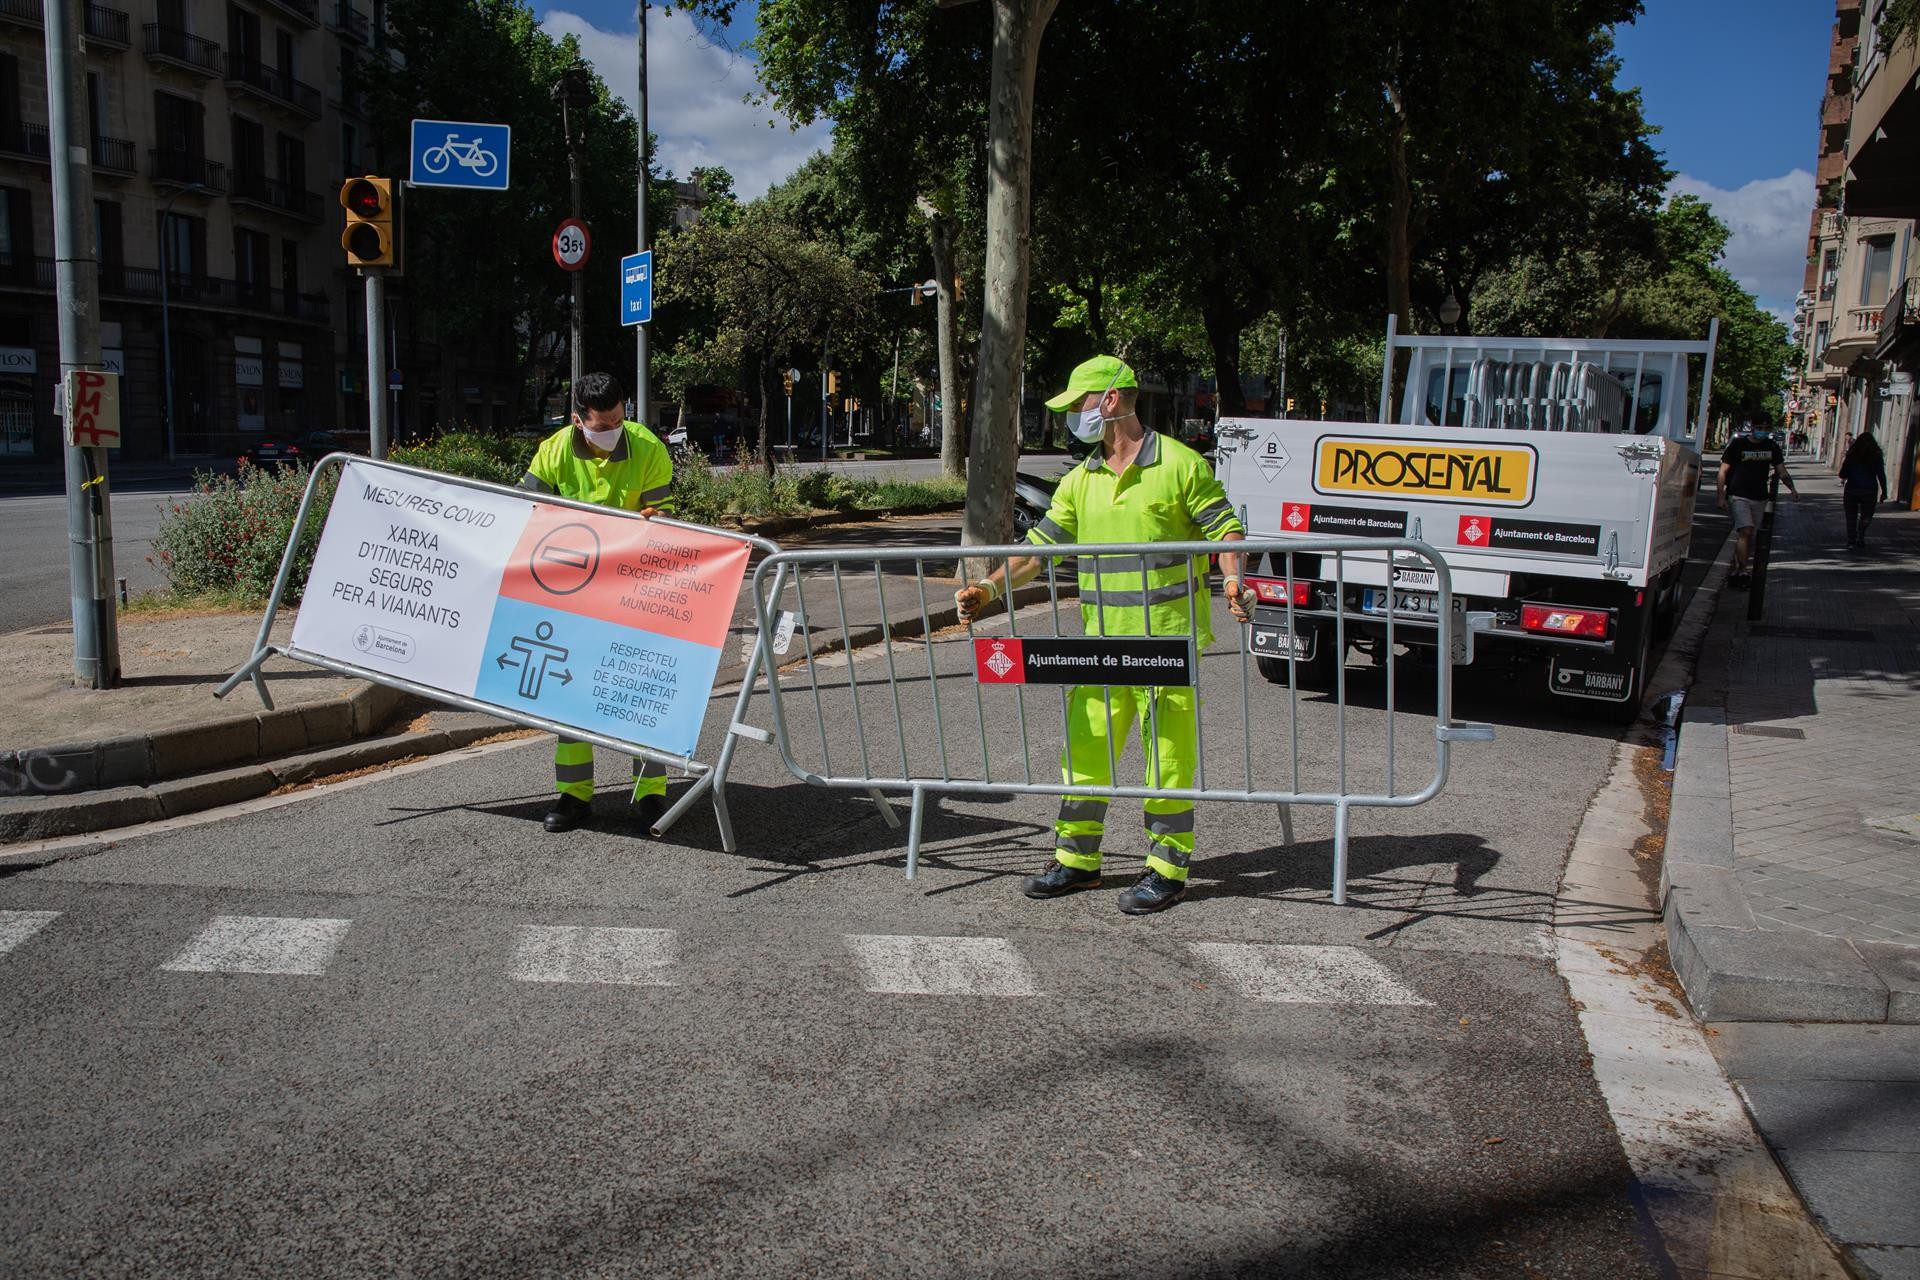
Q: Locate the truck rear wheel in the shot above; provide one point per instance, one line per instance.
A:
(1643, 622)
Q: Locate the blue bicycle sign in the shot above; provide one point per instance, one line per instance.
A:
(458, 153)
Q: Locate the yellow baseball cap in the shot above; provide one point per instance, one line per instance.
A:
(1102, 374)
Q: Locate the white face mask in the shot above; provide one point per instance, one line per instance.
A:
(606, 439)
(1089, 425)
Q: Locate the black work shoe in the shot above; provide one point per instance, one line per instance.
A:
(567, 813)
(1152, 892)
(1060, 879)
(1740, 580)
(652, 809)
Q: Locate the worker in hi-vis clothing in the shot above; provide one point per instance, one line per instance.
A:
(602, 458)
(1139, 486)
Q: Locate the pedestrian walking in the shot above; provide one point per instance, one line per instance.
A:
(1863, 480)
(1744, 467)
(601, 457)
(1135, 486)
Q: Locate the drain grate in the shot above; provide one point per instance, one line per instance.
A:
(1773, 631)
(1769, 731)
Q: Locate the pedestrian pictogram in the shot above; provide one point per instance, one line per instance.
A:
(566, 559)
(537, 657)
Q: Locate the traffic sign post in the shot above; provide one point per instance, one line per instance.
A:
(636, 288)
(572, 245)
(460, 153)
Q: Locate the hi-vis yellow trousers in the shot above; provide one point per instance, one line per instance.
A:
(573, 772)
(1169, 738)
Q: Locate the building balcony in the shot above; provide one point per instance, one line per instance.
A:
(274, 87)
(276, 196)
(108, 28)
(351, 23)
(25, 13)
(26, 142)
(1900, 322)
(171, 46)
(184, 288)
(305, 12)
(1883, 158)
(114, 156)
(180, 169)
(1856, 331)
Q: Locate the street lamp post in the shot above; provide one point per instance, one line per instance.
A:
(1449, 312)
(166, 328)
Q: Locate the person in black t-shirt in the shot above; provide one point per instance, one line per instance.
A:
(1744, 469)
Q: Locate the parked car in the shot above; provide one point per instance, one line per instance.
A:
(318, 444)
(1031, 498)
(272, 454)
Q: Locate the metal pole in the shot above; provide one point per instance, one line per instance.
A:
(1283, 375)
(96, 642)
(642, 406)
(376, 377)
(577, 324)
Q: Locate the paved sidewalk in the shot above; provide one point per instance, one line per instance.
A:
(1792, 876)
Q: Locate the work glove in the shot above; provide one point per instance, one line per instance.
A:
(973, 601)
(648, 513)
(1239, 600)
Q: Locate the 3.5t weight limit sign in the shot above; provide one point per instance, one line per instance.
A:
(572, 243)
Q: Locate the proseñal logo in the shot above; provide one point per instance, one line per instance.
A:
(1424, 472)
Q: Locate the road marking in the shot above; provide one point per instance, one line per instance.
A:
(1306, 975)
(293, 945)
(17, 926)
(895, 964)
(580, 953)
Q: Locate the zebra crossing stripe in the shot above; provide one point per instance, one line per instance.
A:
(290, 945)
(1306, 974)
(17, 926)
(894, 964)
(581, 953)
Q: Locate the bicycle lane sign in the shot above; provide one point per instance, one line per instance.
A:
(460, 153)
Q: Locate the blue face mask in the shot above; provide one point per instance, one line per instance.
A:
(1089, 425)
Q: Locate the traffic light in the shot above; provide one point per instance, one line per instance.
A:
(1289, 404)
(372, 237)
(833, 382)
(786, 382)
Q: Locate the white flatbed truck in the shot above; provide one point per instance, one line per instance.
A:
(1556, 477)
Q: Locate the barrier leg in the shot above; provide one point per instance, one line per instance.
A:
(1286, 824)
(913, 831)
(1340, 854)
(250, 671)
(885, 806)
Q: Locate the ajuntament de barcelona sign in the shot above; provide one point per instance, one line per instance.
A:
(1427, 471)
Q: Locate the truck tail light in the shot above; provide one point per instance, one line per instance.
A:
(1274, 591)
(1558, 620)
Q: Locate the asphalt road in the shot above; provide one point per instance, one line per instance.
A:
(491, 1050)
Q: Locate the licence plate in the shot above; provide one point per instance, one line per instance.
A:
(1278, 642)
(1374, 600)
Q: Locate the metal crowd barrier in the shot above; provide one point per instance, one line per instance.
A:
(709, 779)
(909, 714)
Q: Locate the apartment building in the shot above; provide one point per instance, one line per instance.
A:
(220, 131)
(1856, 319)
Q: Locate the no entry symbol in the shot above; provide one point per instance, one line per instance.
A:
(566, 559)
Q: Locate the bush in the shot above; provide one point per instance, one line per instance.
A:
(225, 539)
(499, 459)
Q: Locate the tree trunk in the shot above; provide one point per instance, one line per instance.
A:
(1399, 217)
(766, 380)
(1018, 26)
(940, 230)
(1223, 325)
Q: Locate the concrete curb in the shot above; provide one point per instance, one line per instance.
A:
(139, 760)
(1732, 970)
(48, 817)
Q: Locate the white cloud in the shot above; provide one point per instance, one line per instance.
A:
(695, 93)
(1769, 218)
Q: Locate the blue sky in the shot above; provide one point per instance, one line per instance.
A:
(1734, 85)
